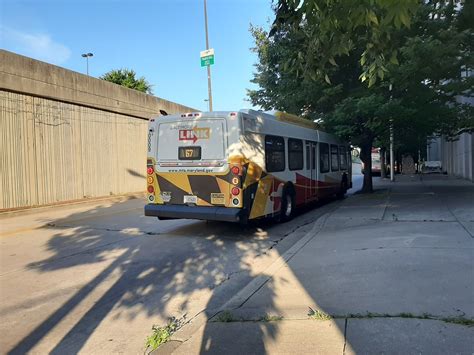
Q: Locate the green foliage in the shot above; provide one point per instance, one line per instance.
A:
(334, 28)
(127, 78)
(161, 335)
(311, 62)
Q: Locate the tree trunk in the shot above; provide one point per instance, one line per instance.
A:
(366, 157)
(383, 164)
(398, 160)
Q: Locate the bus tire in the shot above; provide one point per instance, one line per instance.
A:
(287, 209)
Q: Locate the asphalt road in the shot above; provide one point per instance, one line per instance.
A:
(94, 277)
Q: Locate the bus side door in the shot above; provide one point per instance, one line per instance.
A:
(311, 181)
(314, 178)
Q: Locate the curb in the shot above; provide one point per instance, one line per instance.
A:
(251, 288)
(188, 330)
(39, 208)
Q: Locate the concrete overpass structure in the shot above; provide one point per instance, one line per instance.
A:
(67, 136)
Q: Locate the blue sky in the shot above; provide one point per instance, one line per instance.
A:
(160, 40)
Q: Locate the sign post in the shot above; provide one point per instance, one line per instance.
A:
(208, 58)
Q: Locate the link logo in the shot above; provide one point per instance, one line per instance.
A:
(194, 134)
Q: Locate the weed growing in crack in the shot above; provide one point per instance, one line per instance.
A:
(318, 315)
(455, 320)
(225, 317)
(271, 318)
(161, 335)
(459, 320)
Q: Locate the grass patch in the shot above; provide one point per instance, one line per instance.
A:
(225, 317)
(271, 318)
(455, 320)
(459, 320)
(161, 335)
(318, 315)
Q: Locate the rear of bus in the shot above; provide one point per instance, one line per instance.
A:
(193, 169)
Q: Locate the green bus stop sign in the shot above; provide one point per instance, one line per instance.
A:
(207, 57)
(208, 60)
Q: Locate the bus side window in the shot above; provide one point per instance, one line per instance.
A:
(295, 154)
(324, 157)
(307, 156)
(334, 158)
(274, 153)
(343, 157)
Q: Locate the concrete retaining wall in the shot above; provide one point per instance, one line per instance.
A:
(67, 136)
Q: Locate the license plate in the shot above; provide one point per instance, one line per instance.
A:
(190, 199)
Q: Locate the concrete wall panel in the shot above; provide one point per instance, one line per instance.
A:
(53, 151)
(66, 136)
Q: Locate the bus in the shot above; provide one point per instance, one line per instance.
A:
(241, 165)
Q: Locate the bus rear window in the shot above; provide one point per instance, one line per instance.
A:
(200, 139)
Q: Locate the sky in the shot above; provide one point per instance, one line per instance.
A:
(159, 39)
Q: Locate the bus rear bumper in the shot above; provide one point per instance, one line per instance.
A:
(194, 212)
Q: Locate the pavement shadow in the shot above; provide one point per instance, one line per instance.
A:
(393, 282)
(160, 270)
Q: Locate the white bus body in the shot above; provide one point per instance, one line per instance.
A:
(235, 166)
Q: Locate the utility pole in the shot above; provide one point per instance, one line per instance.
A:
(392, 160)
(209, 89)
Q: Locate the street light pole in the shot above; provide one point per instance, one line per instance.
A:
(392, 160)
(87, 55)
(209, 90)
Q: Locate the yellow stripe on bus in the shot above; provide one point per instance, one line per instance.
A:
(261, 197)
(224, 188)
(254, 172)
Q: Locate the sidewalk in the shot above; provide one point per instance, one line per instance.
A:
(389, 272)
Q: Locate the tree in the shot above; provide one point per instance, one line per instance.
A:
(334, 28)
(293, 76)
(127, 78)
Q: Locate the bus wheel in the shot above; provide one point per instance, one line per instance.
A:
(287, 206)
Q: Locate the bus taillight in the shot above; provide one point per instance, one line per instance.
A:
(151, 189)
(235, 191)
(235, 170)
(150, 170)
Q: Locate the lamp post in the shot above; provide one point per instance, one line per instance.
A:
(87, 55)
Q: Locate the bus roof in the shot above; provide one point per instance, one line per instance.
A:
(269, 116)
